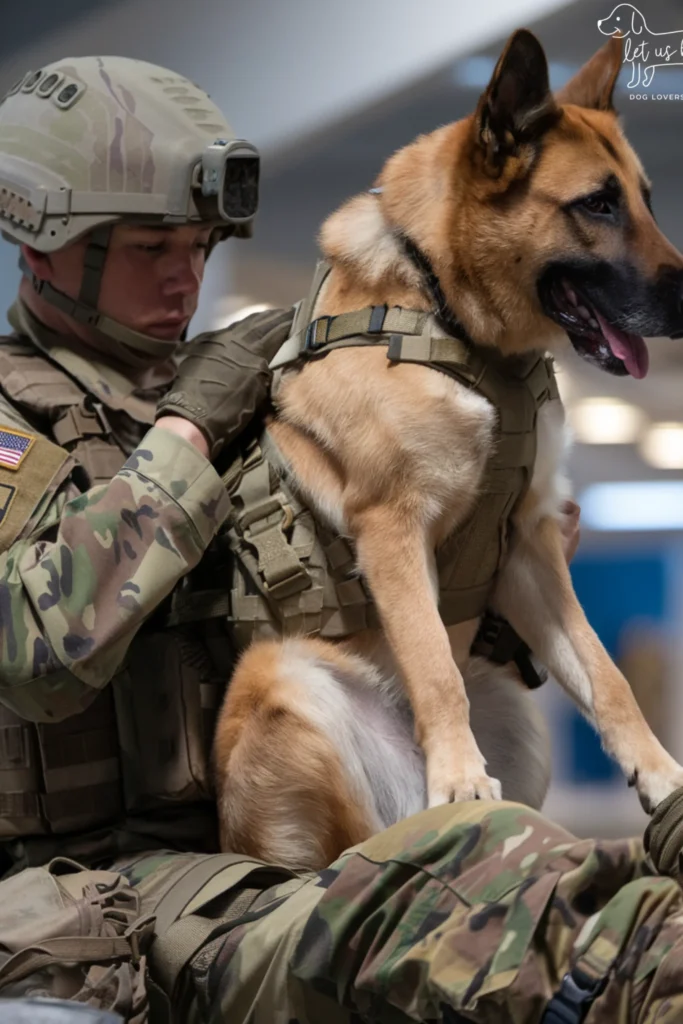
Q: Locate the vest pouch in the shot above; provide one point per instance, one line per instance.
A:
(20, 778)
(167, 701)
(61, 777)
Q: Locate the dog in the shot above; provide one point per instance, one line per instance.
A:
(645, 50)
(534, 214)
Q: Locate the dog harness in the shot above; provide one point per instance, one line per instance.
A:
(292, 574)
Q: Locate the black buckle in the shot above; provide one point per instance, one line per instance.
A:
(571, 1004)
(310, 344)
(497, 641)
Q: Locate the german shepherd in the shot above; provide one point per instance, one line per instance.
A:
(534, 213)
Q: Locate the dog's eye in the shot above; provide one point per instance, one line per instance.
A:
(599, 204)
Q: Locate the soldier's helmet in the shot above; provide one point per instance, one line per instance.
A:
(88, 141)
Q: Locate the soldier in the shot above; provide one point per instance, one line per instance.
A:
(117, 178)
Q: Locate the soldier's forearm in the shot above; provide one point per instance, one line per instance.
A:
(74, 594)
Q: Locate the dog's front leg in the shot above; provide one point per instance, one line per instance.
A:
(536, 595)
(394, 557)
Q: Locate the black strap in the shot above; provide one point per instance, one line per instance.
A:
(533, 675)
(445, 316)
(573, 1001)
(497, 641)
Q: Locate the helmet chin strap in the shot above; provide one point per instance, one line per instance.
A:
(131, 347)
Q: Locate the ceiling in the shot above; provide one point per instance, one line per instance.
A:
(303, 184)
(31, 21)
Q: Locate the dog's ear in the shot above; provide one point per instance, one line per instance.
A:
(593, 85)
(637, 22)
(518, 105)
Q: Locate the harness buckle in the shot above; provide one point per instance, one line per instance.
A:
(312, 341)
(497, 641)
(263, 525)
(574, 999)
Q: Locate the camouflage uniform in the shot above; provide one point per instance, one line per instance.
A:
(101, 513)
(472, 912)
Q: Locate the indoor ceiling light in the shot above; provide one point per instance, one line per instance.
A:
(662, 445)
(605, 421)
(636, 505)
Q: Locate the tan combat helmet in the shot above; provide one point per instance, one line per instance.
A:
(89, 141)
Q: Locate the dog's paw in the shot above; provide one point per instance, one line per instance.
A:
(475, 787)
(655, 786)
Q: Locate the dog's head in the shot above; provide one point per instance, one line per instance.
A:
(534, 213)
(624, 20)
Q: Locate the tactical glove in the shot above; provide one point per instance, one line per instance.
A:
(664, 836)
(224, 376)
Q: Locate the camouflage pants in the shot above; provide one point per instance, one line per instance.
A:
(470, 912)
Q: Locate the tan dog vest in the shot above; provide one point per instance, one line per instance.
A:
(294, 575)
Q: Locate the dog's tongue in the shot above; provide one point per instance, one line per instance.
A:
(630, 348)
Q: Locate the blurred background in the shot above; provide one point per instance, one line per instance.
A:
(327, 91)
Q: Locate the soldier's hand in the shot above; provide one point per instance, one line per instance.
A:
(570, 528)
(224, 377)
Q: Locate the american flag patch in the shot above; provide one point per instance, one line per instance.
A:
(14, 446)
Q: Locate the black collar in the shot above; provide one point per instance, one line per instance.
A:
(443, 313)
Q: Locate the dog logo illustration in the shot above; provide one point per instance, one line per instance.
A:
(644, 49)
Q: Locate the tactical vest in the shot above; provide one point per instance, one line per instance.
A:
(292, 574)
(143, 745)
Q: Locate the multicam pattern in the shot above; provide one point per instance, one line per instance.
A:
(123, 546)
(471, 912)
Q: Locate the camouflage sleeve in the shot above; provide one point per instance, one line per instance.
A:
(466, 912)
(90, 567)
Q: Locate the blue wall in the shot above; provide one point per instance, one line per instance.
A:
(612, 590)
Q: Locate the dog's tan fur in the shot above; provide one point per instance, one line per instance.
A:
(397, 464)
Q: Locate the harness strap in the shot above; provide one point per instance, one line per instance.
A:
(367, 326)
(497, 641)
(184, 931)
(289, 352)
(184, 889)
(369, 320)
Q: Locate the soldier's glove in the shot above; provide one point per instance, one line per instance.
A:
(224, 376)
(663, 838)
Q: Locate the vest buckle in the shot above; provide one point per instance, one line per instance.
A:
(317, 333)
(573, 1001)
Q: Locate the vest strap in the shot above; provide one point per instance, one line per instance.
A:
(76, 423)
(181, 930)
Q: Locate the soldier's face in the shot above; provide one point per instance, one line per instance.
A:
(151, 276)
